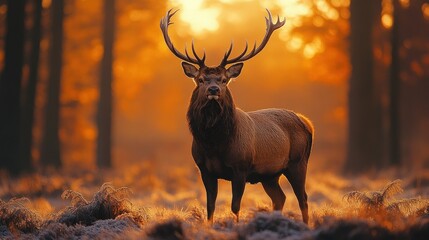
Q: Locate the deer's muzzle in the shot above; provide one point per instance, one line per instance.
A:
(213, 92)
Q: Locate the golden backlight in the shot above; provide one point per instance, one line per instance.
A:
(425, 10)
(192, 10)
(151, 92)
(201, 17)
(305, 67)
(387, 13)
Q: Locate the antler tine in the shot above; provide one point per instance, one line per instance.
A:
(270, 23)
(245, 50)
(196, 55)
(271, 27)
(225, 58)
(165, 22)
(229, 50)
(269, 16)
(254, 48)
(186, 52)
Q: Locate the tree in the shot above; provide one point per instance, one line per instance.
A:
(409, 72)
(394, 86)
(10, 88)
(364, 138)
(50, 152)
(28, 106)
(104, 111)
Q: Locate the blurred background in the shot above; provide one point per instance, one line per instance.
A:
(91, 84)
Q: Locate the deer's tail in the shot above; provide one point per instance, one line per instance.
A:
(310, 135)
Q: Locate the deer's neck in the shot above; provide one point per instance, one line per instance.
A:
(212, 123)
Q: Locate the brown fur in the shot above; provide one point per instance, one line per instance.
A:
(238, 146)
(250, 147)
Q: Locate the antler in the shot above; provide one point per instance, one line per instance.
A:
(165, 22)
(271, 27)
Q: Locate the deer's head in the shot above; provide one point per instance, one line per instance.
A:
(211, 82)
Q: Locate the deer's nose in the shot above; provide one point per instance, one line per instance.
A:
(214, 90)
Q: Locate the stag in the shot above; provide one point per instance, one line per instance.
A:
(239, 146)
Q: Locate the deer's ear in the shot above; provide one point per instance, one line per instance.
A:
(190, 70)
(234, 70)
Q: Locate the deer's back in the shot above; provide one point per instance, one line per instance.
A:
(280, 136)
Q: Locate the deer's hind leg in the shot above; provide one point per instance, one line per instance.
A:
(274, 191)
(296, 174)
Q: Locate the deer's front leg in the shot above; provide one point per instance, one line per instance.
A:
(238, 184)
(210, 183)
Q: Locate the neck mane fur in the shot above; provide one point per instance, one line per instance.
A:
(212, 123)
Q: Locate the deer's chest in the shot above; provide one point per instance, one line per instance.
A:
(218, 167)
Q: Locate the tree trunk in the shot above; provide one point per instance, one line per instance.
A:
(394, 95)
(27, 117)
(104, 114)
(364, 139)
(10, 89)
(50, 152)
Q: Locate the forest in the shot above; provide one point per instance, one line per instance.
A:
(94, 138)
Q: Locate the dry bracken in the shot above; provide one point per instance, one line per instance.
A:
(17, 217)
(107, 203)
(382, 201)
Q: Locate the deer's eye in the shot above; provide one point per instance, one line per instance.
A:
(200, 80)
(224, 80)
